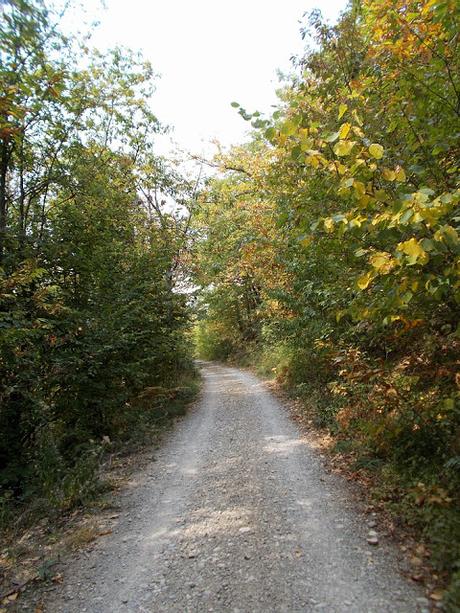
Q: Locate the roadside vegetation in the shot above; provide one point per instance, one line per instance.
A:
(329, 253)
(94, 347)
(325, 252)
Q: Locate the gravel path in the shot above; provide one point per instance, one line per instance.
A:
(236, 514)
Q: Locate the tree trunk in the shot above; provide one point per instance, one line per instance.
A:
(4, 160)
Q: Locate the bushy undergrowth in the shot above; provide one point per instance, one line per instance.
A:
(62, 474)
(396, 416)
(394, 406)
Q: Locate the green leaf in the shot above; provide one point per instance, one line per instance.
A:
(408, 213)
(331, 137)
(406, 297)
(270, 133)
(428, 244)
(289, 128)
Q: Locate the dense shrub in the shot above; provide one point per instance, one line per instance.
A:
(89, 313)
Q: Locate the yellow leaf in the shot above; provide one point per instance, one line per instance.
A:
(364, 280)
(449, 404)
(356, 117)
(382, 262)
(288, 128)
(357, 222)
(306, 241)
(343, 148)
(379, 259)
(376, 151)
(450, 235)
(389, 175)
(329, 224)
(360, 188)
(306, 142)
(313, 161)
(400, 174)
(306, 145)
(344, 130)
(414, 251)
(428, 7)
(342, 110)
(381, 218)
(364, 201)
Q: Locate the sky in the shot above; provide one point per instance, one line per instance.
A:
(209, 53)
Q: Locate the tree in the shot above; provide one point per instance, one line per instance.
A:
(90, 313)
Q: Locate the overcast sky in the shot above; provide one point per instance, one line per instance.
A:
(209, 53)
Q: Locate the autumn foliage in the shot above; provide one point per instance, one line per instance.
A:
(330, 251)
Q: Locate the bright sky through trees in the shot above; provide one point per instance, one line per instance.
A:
(208, 54)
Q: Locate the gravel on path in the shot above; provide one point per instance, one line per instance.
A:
(236, 513)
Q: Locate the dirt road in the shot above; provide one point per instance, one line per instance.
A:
(236, 514)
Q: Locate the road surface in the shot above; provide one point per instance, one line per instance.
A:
(236, 514)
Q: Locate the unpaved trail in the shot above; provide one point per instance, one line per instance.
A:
(235, 514)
